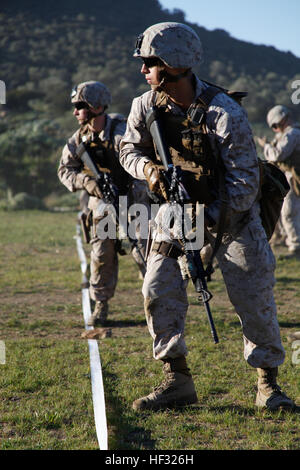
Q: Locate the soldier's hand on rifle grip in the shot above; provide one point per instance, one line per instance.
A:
(92, 187)
(155, 180)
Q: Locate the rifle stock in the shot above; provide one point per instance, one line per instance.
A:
(86, 159)
(154, 126)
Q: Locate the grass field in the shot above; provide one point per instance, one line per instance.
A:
(45, 388)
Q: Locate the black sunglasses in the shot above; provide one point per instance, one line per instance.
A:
(81, 105)
(275, 126)
(151, 61)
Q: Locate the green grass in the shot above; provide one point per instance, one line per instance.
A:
(45, 386)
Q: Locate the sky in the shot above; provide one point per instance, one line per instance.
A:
(269, 22)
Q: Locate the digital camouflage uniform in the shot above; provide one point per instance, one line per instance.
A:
(249, 286)
(104, 257)
(245, 257)
(284, 150)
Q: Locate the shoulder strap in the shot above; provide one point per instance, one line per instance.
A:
(81, 131)
(235, 95)
(114, 122)
(208, 95)
(161, 99)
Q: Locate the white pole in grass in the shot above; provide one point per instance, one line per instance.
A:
(95, 362)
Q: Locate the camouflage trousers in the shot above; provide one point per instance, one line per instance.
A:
(104, 265)
(104, 269)
(290, 220)
(138, 195)
(247, 265)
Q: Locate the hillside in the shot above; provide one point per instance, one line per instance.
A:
(128, 19)
(47, 47)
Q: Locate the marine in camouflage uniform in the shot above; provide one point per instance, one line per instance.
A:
(169, 51)
(102, 133)
(284, 151)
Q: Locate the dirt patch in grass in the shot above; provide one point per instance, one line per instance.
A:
(38, 298)
(58, 314)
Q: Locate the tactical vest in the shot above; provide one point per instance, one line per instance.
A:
(104, 156)
(190, 148)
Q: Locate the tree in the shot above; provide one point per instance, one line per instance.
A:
(29, 156)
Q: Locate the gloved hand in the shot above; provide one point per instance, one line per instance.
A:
(261, 141)
(155, 180)
(91, 186)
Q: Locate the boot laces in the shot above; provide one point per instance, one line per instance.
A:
(165, 386)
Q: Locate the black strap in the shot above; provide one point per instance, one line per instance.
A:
(167, 249)
(208, 95)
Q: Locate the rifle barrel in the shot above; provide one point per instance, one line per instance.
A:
(211, 323)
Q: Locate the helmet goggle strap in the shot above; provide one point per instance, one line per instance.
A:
(91, 115)
(100, 112)
(74, 91)
(138, 44)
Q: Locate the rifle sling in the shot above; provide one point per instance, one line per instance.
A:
(221, 226)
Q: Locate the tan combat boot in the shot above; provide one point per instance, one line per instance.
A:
(177, 389)
(269, 394)
(99, 315)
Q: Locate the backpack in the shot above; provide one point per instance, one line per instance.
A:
(273, 189)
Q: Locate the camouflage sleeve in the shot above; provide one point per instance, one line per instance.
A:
(231, 138)
(282, 148)
(119, 131)
(136, 147)
(69, 169)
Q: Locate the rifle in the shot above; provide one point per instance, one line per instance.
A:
(109, 191)
(178, 194)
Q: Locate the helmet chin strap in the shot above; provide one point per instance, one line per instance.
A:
(91, 116)
(166, 78)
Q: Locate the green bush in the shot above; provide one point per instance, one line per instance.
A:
(66, 200)
(22, 201)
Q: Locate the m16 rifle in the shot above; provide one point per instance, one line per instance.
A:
(109, 191)
(177, 194)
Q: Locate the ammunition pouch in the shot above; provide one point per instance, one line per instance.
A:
(104, 156)
(119, 249)
(86, 222)
(167, 249)
(190, 150)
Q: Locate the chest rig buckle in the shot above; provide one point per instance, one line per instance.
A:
(196, 115)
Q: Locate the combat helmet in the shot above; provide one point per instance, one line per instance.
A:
(175, 44)
(277, 114)
(93, 93)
